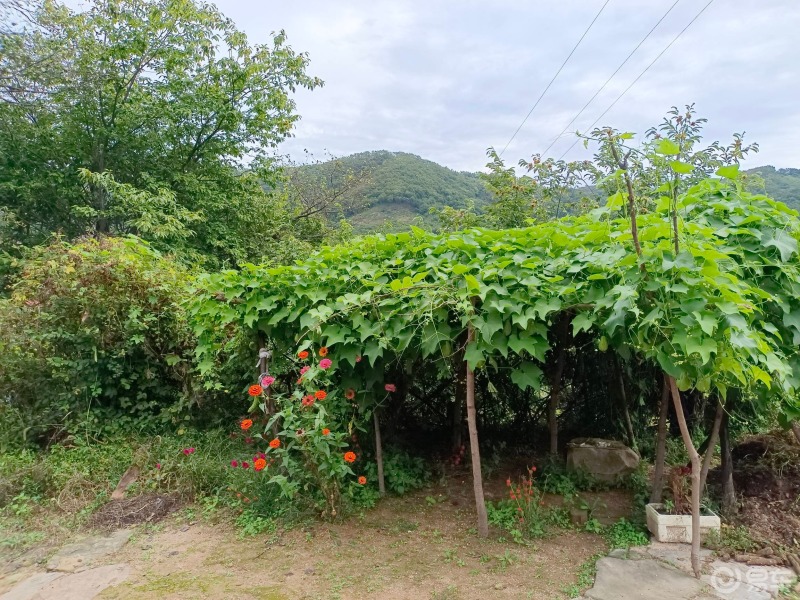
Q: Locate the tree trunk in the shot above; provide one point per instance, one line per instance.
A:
(657, 493)
(457, 409)
(562, 335)
(712, 443)
(623, 398)
(695, 460)
(379, 452)
(477, 477)
(729, 506)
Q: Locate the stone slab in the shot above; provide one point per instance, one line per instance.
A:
(86, 553)
(677, 555)
(641, 580)
(84, 585)
(28, 588)
(746, 582)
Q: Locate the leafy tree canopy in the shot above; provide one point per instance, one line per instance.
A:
(147, 117)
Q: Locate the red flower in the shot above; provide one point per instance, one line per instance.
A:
(326, 431)
(245, 465)
(275, 443)
(358, 359)
(320, 394)
(260, 464)
(303, 354)
(350, 457)
(246, 424)
(234, 463)
(308, 401)
(390, 387)
(362, 480)
(323, 351)
(508, 482)
(158, 465)
(255, 390)
(350, 394)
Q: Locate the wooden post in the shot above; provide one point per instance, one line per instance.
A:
(379, 452)
(657, 493)
(477, 478)
(694, 457)
(728, 490)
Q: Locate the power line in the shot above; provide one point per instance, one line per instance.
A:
(647, 68)
(602, 87)
(566, 60)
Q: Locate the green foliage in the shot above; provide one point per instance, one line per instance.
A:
(94, 340)
(156, 118)
(732, 538)
(524, 514)
(781, 184)
(624, 534)
(699, 314)
(402, 472)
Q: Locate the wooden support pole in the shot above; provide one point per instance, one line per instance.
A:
(477, 478)
(657, 493)
(694, 457)
(379, 452)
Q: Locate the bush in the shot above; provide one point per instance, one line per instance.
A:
(402, 472)
(94, 340)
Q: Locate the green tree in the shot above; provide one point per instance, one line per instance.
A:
(165, 97)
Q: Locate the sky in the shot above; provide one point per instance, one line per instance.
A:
(446, 79)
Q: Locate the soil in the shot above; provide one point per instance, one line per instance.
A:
(422, 545)
(767, 475)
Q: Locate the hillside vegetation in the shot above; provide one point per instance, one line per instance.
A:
(401, 188)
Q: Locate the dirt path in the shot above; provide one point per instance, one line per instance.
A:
(407, 548)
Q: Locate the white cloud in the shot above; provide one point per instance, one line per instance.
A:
(446, 79)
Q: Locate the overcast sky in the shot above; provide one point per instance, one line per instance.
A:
(445, 79)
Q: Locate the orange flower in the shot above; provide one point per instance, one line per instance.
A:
(362, 480)
(308, 401)
(350, 394)
(303, 354)
(350, 457)
(275, 443)
(323, 351)
(255, 390)
(246, 424)
(260, 464)
(326, 431)
(320, 394)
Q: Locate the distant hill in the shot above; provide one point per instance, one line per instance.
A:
(403, 187)
(780, 184)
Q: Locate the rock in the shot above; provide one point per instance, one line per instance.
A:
(81, 555)
(765, 552)
(578, 516)
(31, 586)
(84, 585)
(606, 460)
(309, 571)
(641, 580)
(618, 553)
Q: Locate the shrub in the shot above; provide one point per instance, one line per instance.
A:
(402, 472)
(308, 456)
(94, 340)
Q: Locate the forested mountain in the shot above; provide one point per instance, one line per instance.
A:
(400, 188)
(780, 184)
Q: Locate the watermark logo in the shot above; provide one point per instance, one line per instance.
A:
(728, 579)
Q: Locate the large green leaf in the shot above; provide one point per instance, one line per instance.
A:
(528, 375)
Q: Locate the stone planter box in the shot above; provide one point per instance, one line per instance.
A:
(678, 528)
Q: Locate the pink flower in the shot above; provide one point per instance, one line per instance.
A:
(248, 440)
(158, 465)
(304, 370)
(267, 381)
(188, 451)
(234, 463)
(358, 359)
(325, 363)
(390, 387)
(245, 465)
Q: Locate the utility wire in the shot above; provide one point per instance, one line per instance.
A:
(602, 87)
(647, 68)
(566, 60)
